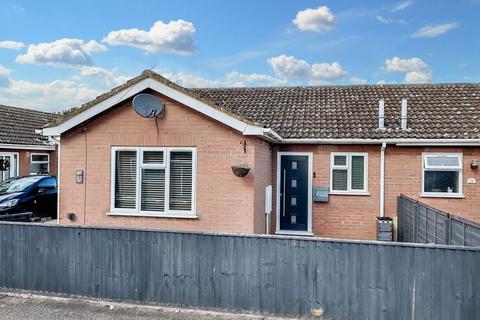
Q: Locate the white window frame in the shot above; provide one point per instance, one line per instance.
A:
(39, 162)
(166, 165)
(13, 173)
(425, 167)
(347, 167)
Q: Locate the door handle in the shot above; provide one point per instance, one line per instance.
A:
(284, 183)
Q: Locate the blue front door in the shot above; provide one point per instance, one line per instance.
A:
(294, 191)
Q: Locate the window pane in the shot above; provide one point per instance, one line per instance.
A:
(14, 165)
(340, 160)
(180, 180)
(39, 157)
(339, 180)
(48, 183)
(441, 181)
(38, 168)
(154, 157)
(153, 190)
(358, 172)
(125, 179)
(443, 161)
(7, 173)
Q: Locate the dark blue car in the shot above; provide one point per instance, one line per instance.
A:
(36, 194)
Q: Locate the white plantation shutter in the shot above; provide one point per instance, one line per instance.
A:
(358, 172)
(181, 180)
(339, 180)
(151, 180)
(125, 179)
(349, 172)
(153, 189)
(153, 157)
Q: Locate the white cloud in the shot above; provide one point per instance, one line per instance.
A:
(57, 95)
(390, 20)
(4, 71)
(326, 71)
(238, 79)
(318, 19)
(289, 67)
(232, 79)
(189, 80)
(416, 71)
(434, 31)
(93, 46)
(402, 6)
(173, 37)
(103, 74)
(13, 45)
(356, 80)
(4, 79)
(63, 52)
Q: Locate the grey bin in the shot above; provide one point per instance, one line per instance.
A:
(384, 229)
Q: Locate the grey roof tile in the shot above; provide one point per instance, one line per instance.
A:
(435, 111)
(18, 125)
(446, 111)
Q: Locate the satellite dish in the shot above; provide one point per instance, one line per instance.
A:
(147, 105)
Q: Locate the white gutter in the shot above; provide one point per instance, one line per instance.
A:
(382, 179)
(26, 147)
(398, 142)
(265, 133)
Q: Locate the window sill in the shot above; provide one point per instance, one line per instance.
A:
(446, 195)
(293, 233)
(338, 193)
(153, 215)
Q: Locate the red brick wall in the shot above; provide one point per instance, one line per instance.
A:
(263, 178)
(353, 216)
(403, 174)
(224, 202)
(24, 160)
(344, 216)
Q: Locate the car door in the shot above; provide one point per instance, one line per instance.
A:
(45, 198)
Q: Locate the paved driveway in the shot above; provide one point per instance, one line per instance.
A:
(34, 307)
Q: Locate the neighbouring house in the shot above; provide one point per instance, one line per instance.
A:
(26, 151)
(336, 156)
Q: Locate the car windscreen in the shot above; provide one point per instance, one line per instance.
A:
(18, 184)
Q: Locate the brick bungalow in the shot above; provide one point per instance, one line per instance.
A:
(336, 156)
(26, 151)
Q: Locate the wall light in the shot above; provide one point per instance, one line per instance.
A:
(474, 164)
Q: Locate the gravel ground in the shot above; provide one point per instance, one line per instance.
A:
(26, 306)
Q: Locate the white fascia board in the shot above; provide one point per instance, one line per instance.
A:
(205, 109)
(26, 147)
(97, 109)
(195, 104)
(398, 142)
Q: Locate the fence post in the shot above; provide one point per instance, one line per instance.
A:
(399, 219)
(448, 231)
(415, 224)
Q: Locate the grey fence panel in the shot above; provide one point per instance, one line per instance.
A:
(281, 275)
(421, 223)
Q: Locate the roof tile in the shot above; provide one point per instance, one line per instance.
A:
(18, 125)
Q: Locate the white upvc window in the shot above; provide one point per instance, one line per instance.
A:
(349, 173)
(153, 181)
(39, 163)
(442, 174)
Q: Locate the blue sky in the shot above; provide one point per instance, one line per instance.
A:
(58, 54)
